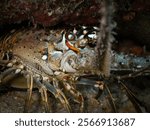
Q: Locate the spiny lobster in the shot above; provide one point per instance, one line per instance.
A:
(58, 59)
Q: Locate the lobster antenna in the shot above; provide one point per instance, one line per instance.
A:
(105, 37)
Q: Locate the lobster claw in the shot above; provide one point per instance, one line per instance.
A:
(29, 91)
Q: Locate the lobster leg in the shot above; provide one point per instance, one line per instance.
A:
(78, 96)
(29, 92)
(45, 98)
(43, 92)
(111, 97)
(132, 97)
(90, 82)
(58, 94)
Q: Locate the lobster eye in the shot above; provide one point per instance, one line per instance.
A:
(70, 36)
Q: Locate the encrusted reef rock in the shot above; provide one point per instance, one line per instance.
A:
(49, 12)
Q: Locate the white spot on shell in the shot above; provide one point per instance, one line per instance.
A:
(81, 37)
(138, 66)
(41, 39)
(74, 31)
(45, 78)
(63, 70)
(115, 65)
(9, 65)
(70, 36)
(96, 28)
(50, 13)
(44, 57)
(17, 71)
(84, 27)
(68, 87)
(85, 32)
(21, 66)
(57, 73)
(93, 36)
